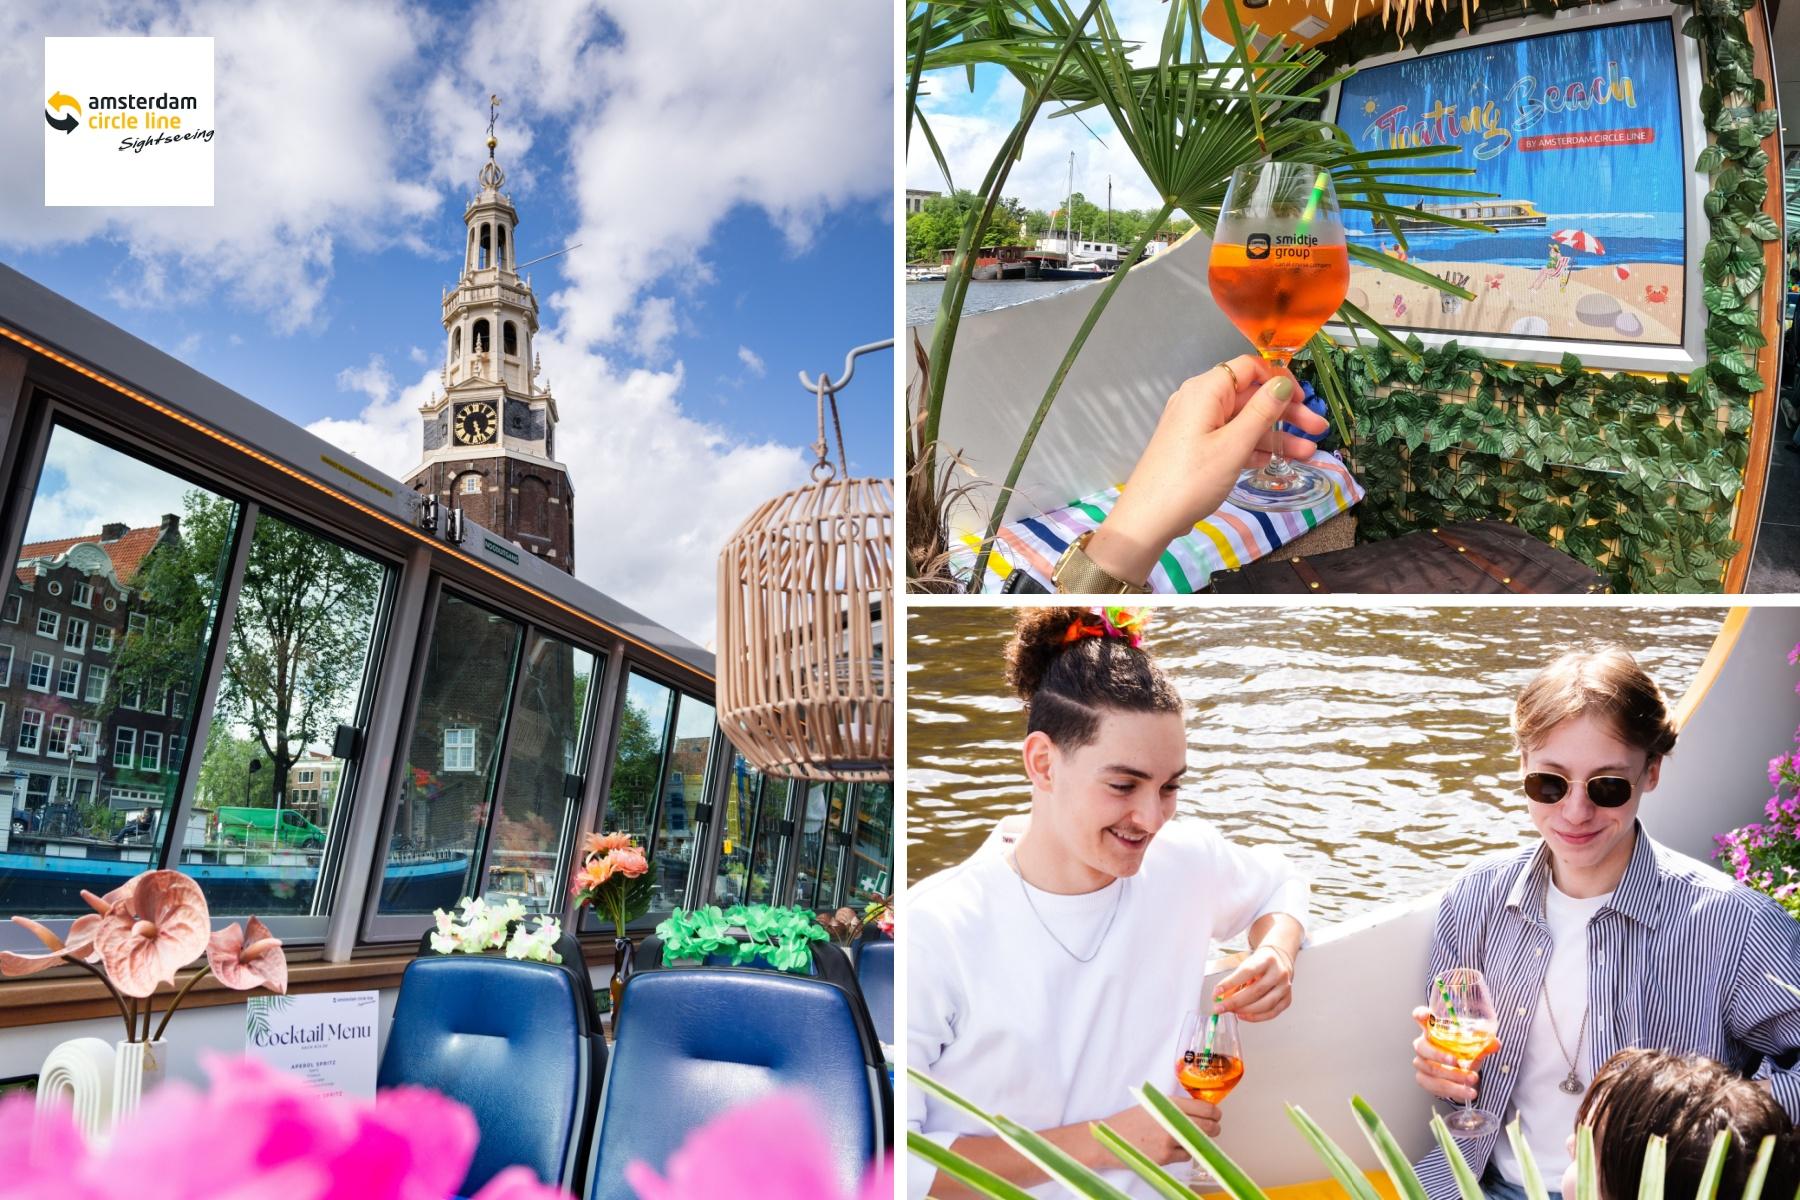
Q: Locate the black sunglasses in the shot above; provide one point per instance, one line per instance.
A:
(1606, 791)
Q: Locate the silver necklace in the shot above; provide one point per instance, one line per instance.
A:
(1571, 1083)
(1026, 892)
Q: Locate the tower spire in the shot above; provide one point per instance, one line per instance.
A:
(492, 176)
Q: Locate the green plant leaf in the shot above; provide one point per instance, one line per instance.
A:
(1140, 1164)
(1715, 1167)
(1231, 1177)
(1048, 1158)
(1341, 1166)
(1759, 1170)
(961, 1169)
(1466, 1182)
(1399, 1170)
(1534, 1179)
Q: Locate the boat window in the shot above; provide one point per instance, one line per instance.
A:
(643, 738)
(440, 813)
(298, 666)
(871, 870)
(684, 788)
(96, 816)
(546, 761)
(766, 850)
(737, 816)
(821, 845)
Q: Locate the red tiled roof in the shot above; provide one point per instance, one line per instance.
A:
(127, 551)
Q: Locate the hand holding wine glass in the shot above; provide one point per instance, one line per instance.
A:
(1459, 1023)
(1210, 1066)
(1279, 270)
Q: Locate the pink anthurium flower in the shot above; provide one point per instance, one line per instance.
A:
(247, 957)
(156, 929)
(769, 1149)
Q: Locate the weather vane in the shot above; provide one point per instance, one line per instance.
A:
(493, 115)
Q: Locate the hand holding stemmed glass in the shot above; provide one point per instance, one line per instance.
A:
(1210, 1064)
(1460, 1030)
(1279, 270)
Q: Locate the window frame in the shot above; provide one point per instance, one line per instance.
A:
(37, 728)
(49, 665)
(82, 595)
(68, 686)
(55, 633)
(96, 671)
(127, 735)
(79, 645)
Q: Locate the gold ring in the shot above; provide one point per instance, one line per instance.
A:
(1235, 385)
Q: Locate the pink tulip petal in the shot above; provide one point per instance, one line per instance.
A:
(519, 1183)
(770, 1149)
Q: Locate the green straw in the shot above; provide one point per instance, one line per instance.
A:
(1450, 1004)
(1312, 202)
(1212, 1027)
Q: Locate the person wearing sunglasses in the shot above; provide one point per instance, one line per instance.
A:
(1596, 938)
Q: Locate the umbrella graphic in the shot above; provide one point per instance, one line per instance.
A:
(1579, 239)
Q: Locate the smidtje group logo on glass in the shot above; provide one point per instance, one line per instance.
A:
(128, 121)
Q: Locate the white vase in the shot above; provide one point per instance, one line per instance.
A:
(78, 1075)
(139, 1068)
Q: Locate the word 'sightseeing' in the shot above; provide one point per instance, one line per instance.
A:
(1498, 124)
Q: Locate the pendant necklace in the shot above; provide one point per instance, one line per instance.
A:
(1571, 1083)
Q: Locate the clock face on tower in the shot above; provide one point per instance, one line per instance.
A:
(476, 424)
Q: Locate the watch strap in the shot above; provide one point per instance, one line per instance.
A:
(1078, 575)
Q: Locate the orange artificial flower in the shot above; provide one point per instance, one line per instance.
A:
(629, 862)
(602, 843)
(245, 957)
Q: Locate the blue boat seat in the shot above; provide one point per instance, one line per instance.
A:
(506, 1038)
(701, 1040)
(875, 972)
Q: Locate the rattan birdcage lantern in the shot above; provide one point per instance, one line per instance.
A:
(805, 671)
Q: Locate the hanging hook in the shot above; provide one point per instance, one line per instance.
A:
(810, 385)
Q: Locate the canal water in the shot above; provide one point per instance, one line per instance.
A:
(1372, 745)
(983, 295)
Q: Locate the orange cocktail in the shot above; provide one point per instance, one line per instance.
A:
(1280, 297)
(1209, 1077)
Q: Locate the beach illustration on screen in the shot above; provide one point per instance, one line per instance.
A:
(1579, 133)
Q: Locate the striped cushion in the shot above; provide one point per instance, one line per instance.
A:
(1231, 537)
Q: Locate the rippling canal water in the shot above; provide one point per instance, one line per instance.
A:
(1371, 745)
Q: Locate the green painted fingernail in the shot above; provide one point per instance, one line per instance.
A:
(1284, 387)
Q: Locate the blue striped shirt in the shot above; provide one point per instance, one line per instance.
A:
(1676, 961)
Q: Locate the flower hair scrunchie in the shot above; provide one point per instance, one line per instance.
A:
(1126, 624)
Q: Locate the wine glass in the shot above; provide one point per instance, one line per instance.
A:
(1279, 270)
(1210, 1065)
(1463, 1025)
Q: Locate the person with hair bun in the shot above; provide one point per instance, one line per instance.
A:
(1048, 974)
(1596, 938)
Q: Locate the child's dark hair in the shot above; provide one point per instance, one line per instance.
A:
(1067, 681)
(1686, 1099)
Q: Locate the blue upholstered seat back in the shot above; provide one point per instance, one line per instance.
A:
(503, 1037)
(875, 972)
(701, 1040)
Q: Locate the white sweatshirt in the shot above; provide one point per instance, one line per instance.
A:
(998, 1012)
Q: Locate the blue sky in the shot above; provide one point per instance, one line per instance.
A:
(728, 171)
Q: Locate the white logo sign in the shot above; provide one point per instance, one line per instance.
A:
(328, 1040)
(128, 121)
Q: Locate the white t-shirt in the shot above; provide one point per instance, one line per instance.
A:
(1548, 1112)
(1000, 1013)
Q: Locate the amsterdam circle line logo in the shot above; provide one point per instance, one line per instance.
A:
(1257, 246)
(65, 123)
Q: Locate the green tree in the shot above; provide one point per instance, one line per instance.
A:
(299, 637)
(225, 775)
(637, 764)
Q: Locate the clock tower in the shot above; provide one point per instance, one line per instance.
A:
(490, 435)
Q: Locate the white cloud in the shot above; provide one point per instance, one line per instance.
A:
(418, 355)
(655, 326)
(385, 433)
(752, 361)
(312, 104)
(970, 138)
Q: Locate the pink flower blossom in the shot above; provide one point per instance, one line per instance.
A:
(256, 1133)
(160, 926)
(243, 958)
(770, 1149)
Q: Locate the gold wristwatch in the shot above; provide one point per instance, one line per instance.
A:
(1077, 575)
